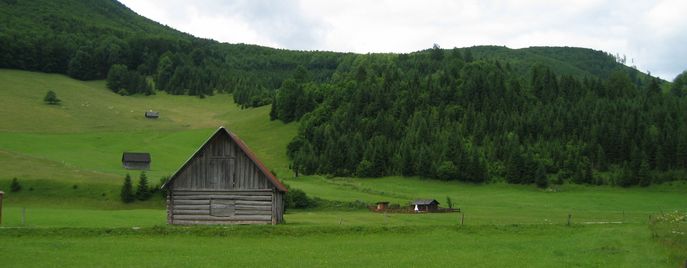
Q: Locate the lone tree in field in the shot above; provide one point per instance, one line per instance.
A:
(51, 98)
(143, 191)
(127, 194)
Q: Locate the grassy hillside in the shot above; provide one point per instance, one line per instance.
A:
(80, 141)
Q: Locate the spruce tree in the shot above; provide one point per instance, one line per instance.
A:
(127, 194)
(143, 191)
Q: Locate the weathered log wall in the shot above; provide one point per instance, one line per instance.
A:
(222, 207)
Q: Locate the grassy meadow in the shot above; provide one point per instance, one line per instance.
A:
(67, 159)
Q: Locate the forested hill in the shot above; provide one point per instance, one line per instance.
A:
(84, 39)
(449, 116)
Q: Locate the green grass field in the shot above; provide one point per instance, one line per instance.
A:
(67, 159)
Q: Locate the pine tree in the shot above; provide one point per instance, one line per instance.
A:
(143, 191)
(127, 194)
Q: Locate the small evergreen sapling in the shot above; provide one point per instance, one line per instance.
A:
(127, 193)
(143, 191)
(15, 186)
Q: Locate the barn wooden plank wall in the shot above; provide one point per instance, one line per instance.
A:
(221, 165)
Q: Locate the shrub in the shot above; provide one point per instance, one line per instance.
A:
(15, 186)
(296, 198)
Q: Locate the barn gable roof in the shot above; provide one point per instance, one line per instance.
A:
(135, 157)
(425, 202)
(244, 149)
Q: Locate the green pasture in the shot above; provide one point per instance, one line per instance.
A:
(289, 246)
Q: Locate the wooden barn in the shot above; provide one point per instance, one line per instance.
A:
(139, 161)
(426, 204)
(224, 183)
(152, 115)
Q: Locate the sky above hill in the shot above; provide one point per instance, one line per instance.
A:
(651, 34)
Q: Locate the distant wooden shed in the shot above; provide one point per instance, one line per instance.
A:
(152, 114)
(138, 161)
(223, 182)
(382, 205)
(426, 204)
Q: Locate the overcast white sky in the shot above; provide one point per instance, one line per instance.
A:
(652, 34)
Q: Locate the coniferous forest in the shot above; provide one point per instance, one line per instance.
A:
(456, 118)
(535, 115)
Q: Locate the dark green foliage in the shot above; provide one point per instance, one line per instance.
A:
(540, 177)
(127, 192)
(679, 87)
(125, 82)
(296, 198)
(449, 202)
(143, 190)
(15, 186)
(51, 98)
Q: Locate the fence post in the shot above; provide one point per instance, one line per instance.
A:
(1, 195)
(569, 219)
(462, 218)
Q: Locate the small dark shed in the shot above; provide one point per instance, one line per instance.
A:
(152, 115)
(139, 161)
(224, 183)
(426, 204)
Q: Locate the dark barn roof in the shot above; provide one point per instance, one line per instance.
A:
(243, 148)
(136, 157)
(425, 202)
(151, 114)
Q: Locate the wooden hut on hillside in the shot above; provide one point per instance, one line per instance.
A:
(224, 183)
(152, 115)
(426, 205)
(138, 161)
